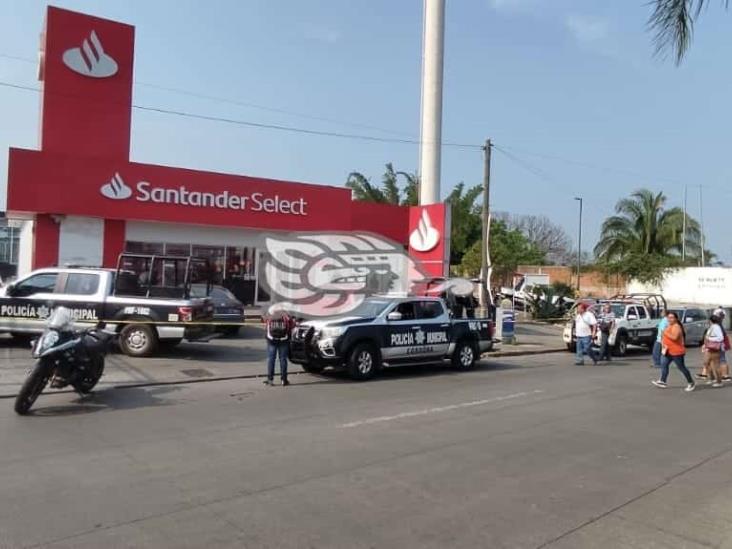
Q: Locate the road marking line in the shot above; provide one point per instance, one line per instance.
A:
(438, 409)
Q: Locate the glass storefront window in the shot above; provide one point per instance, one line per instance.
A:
(234, 267)
(216, 257)
(156, 248)
(177, 249)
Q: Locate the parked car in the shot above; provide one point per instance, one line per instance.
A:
(227, 308)
(695, 322)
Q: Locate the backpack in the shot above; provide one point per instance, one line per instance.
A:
(278, 328)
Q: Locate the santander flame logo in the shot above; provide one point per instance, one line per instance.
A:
(90, 59)
(425, 237)
(116, 189)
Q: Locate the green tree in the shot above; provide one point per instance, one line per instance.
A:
(508, 249)
(389, 192)
(643, 226)
(465, 218)
(672, 21)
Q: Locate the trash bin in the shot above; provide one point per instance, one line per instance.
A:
(508, 323)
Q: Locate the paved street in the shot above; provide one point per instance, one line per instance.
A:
(522, 452)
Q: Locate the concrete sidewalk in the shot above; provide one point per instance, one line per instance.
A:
(220, 359)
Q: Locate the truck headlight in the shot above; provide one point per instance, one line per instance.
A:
(331, 332)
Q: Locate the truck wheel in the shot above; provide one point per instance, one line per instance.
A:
(572, 347)
(621, 345)
(138, 340)
(464, 356)
(362, 362)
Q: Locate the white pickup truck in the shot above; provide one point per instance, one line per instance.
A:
(636, 319)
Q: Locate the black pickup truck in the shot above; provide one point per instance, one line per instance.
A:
(386, 331)
(146, 299)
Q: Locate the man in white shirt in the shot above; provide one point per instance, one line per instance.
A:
(585, 325)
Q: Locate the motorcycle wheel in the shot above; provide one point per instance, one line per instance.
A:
(91, 378)
(32, 387)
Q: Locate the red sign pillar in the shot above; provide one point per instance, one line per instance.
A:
(429, 238)
(86, 109)
(86, 71)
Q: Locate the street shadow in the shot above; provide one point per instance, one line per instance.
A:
(214, 351)
(414, 371)
(108, 400)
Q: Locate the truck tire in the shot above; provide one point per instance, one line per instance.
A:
(363, 361)
(621, 345)
(33, 386)
(572, 347)
(138, 340)
(465, 355)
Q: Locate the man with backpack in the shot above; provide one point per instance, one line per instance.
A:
(278, 326)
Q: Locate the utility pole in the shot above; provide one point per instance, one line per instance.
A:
(683, 231)
(579, 244)
(485, 296)
(701, 221)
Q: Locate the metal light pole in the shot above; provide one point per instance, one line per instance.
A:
(683, 232)
(701, 222)
(579, 244)
(433, 45)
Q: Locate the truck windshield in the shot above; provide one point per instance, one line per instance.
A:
(618, 309)
(370, 308)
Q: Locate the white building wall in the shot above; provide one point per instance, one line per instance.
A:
(172, 233)
(81, 240)
(25, 252)
(711, 286)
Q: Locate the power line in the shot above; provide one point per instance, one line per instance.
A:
(594, 166)
(276, 127)
(240, 103)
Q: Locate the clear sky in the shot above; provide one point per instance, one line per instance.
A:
(569, 87)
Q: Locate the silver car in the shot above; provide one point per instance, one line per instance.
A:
(695, 322)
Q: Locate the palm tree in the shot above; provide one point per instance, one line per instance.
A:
(363, 189)
(673, 24)
(389, 192)
(411, 189)
(643, 227)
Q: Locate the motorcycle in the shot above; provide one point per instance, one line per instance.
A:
(65, 357)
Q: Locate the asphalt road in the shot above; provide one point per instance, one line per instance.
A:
(522, 452)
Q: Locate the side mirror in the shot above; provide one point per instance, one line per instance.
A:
(632, 317)
(10, 290)
(394, 315)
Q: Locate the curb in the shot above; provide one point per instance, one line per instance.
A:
(496, 354)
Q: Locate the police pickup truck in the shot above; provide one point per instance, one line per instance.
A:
(146, 300)
(387, 331)
(636, 319)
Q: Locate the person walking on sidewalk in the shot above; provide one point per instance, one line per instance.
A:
(278, 327)
(658, 344)
(673, 349)
(712, 349)
(723, 365)
(607, 323)
(585, 325)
